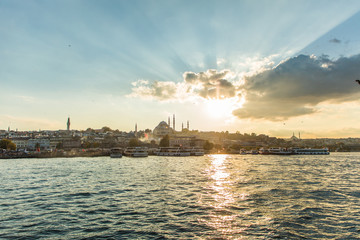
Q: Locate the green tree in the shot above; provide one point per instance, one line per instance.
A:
(165, 141)
(106, 129)
(134, 142)
(37, 145)
(7, 144)
(153, 143)
(208, 145)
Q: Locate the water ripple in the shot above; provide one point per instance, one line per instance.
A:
(210, 197)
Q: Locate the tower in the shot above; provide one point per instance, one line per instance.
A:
(68, 124)
(169, 121)
(182, 126)
(188, 125)
(135, 128)
(174, 122)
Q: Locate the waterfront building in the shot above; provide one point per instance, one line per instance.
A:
(21, 142)
(44, 143)
(72, 143)
(186, 141)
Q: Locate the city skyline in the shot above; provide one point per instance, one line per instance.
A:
(251, 66)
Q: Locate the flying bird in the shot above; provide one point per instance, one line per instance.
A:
(358, 81)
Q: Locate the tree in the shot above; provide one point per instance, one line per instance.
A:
(7, 144)
(153, 143)
(37, 145)
(106, 129)
(165, 141)
(134, 142)
(208, 145)
(90, 130)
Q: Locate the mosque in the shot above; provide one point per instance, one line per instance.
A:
(164, 128)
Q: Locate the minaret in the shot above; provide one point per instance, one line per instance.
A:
(188, 125)
(68, 124)
(135, 128)
(299, 135)
(174, 122)
(169, 121)
(182, 126)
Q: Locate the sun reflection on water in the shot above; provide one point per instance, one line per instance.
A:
(220, 196)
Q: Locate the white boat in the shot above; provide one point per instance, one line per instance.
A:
(280, 151)
(264, 151)
(243, 152)
(311, 151)
(197, 152)
(116, 153)
(173, 151)
(136, 152)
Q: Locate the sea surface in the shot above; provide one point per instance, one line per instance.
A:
(209, 197)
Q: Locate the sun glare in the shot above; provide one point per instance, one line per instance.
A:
(221, 108)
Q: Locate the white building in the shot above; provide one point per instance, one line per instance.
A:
(21, 142)
(44, 143)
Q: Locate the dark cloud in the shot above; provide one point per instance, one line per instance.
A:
(335, 40)
(298, 85)
(221, 89)
(212, 84)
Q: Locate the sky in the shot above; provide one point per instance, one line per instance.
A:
(266, 67)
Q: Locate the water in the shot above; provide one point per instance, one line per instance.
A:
(210, 197)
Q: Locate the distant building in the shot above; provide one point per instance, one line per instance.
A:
(162, 129)
(294, 138)
(186, 141)
(72, 143)
(44, 143)
(68, 124)
(21, 142)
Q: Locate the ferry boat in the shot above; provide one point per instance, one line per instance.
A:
(280, 151)
(173, 151)
(116, 153)
(253, 152)
(264, 151)
(243, 152)
(197, 152)
(311, 151)
(136, 152)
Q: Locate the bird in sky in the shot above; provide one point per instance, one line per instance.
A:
(358, 81)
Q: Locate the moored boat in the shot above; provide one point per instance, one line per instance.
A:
(280, 151)
(264, 151)
(311, 151)
(197, 152)
(116, 153)
(136, 152)
(173, 151)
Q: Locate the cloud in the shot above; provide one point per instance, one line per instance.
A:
(156, 89)
(335, 40)
(296, 86)
(211, 84)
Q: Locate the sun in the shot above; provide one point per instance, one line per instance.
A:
(221, 108)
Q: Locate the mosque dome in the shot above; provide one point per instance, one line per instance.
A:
(162, 129)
